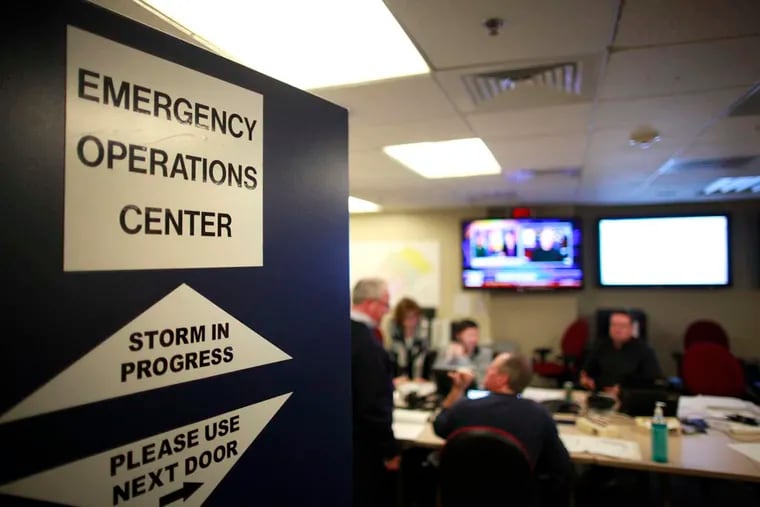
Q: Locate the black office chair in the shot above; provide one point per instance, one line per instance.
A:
(485, 466)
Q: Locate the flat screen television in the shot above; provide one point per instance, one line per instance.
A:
(522, 253)
(662, 251)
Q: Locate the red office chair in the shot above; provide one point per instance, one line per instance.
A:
(704, 330)
(701, 331)
(709, 368)
(573, 345)
(480, 465)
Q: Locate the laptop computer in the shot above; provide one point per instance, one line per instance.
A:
(476, 394)
(641, 402)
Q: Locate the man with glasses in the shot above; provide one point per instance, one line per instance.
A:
(621, 361)
(375, 447)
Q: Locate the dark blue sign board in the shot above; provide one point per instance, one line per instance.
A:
(77, 397)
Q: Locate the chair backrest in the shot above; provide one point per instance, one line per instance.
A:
(575, 338)
(709, 368)
(480, 465)
(705, 330)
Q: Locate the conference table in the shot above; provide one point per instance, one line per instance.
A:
(707, 454)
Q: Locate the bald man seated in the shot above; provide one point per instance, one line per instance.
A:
(529, 422)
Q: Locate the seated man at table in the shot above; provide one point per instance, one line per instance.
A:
(529, 422)
(621, 361)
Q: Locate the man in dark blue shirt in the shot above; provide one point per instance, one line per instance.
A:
(530, 423)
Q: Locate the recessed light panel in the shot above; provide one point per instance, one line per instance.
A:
(306, 43)
(458, 158)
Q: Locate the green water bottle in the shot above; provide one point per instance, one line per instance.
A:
(568, 387)
(659, 434)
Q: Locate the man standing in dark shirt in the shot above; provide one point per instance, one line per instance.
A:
(375, 448)
(621, 361)
(530, 423)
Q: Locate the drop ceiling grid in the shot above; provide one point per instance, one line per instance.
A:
(681, 69)
(654, 22)
(449, 32)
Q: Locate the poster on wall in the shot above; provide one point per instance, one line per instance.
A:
(164, 164)
(412, 268)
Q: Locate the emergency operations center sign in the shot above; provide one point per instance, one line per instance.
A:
(163, 163)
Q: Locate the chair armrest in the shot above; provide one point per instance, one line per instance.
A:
(678, 358)
(675, 384)
(753, 393)
(569, 360)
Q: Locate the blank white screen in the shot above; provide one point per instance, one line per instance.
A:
(664, 251)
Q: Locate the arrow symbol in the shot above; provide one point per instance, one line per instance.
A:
(183, 493)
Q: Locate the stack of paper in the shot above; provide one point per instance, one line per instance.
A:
(540, 394)
(714, 406)
(409, 424)
(611, 447)
(750, 450)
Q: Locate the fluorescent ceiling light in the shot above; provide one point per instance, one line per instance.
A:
(356, 205)
(446, 159)
(306, 43)
(733, 185)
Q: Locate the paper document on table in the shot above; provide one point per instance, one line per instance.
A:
(540, 394)
(407, 430)
(610, 447)
(713, 406)
(401, 415)
(573, 443)
(750, 450)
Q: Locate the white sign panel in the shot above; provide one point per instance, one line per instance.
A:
(164, 165)
(183, 337)
(181, 467)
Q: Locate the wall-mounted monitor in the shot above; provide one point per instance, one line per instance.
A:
(675, 251)
(522, 254)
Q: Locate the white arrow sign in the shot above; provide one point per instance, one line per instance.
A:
(183, 465)
(183, 337)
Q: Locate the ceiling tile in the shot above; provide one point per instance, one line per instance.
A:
(391, 102)
(656, 22)
(683, 68)
(572, 119)
(533, 29)
(665, 111)
(611, 147)
(364, 137)
(732, 129)
(375, 166)
(538, 152)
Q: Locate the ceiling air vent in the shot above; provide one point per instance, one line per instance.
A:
(492, 196)
(560, 77)
(522, 175)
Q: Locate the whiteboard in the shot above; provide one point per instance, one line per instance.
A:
(411, 268)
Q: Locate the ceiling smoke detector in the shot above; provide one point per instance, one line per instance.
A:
(493, 25)
(644, 137)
